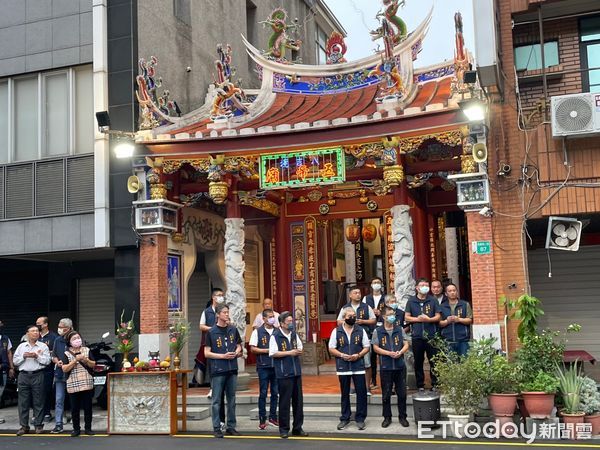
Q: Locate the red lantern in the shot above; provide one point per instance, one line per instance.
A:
(352, 233)
(369, 232)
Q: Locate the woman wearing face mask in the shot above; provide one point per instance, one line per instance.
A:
(80, 383)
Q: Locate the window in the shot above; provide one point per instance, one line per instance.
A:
(590, 53)
(321, 45)
(529, 57)
(47, 115)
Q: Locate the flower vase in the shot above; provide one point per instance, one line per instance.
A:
(125, 360)
(177, 362)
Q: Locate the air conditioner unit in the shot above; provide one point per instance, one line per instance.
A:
(575, 115)
(563, 233)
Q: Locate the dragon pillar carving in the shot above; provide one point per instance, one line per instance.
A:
(403, 255)
(234, 273)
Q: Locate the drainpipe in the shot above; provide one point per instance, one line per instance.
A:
(543, 53)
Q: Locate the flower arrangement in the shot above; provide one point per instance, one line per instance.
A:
(125, 334)
(179, 332)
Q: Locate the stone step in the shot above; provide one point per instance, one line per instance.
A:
(195, 412)
(315, 412)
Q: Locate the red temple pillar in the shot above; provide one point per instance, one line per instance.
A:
(283, 302)
(421, 243)
(154, 316)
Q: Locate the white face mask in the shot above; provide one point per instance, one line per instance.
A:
(60, 331)
(376, 286)
(424, 290)
(220, 299)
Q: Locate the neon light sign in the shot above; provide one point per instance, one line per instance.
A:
(304, 168)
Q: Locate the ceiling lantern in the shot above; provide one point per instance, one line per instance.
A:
(352, 233)
(369, 232)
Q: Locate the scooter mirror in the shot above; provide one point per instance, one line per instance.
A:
(105, 335)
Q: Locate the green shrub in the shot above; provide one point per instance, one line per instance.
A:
(589, 396)
(542, 382)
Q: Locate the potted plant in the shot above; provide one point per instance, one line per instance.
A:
(179, 332)
(502, 387)
(569, 385)
(460, 382)
(590, 403)
(538, 394)
(125, 334)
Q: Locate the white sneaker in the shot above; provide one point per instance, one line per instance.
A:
(368, 393)
(209, 396)
(223, 427)
(2, 420)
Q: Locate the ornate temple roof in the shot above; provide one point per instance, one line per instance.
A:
(298, 98)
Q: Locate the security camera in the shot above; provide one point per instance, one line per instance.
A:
(484, 211)
(188, 69)
(504, 170)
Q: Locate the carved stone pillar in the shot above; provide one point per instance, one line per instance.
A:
(403, 256)
(452, 255)
(349, 256)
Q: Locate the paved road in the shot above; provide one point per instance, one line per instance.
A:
(195, 441)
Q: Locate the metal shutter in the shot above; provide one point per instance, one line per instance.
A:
(572, 294)
(96, 308)
(198, 295)
(80, 184)
(19, 191)
(2, 169)
(49, 188)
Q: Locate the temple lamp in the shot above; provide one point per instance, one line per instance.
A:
(124, 147)
(473, 109)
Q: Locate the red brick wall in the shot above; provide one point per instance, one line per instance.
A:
(483, 273)
(153, 284)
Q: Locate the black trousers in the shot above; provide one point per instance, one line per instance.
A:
(374, 358)
(290, 390)
(420, 347)
(81, 400)
(48, 390)
(360, 385)
(393, 380)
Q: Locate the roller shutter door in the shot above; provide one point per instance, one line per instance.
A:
(572, 295)
(96, 308)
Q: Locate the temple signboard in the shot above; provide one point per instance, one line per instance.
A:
(302, 168)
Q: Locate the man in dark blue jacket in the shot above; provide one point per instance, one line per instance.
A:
(457, 318)
(423, 314)
(222, 348)
(58, 355)
(389, 344)
(285, 347)
(349, 344)
(259, 345)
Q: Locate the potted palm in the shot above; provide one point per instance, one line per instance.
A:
(538, 394)
(590, 403)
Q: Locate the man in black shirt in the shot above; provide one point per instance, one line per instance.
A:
(222, 348)
(47, 337)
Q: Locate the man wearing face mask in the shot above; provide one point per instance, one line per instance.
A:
(259, 345)
(365, 317)
(58, 354)
(457, 318)
(376, 301)
(6, 361)
(349, 344)
(423, 314)
(31, 358)
(47, 337)
(258, 320)
(207, 321)
(285, 347)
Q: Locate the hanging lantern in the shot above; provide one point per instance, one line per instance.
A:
(218, 191)
(393, 175)
(369, 232)
(352, 233)
(382, 230)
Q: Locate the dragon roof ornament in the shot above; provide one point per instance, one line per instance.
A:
(229, 96)
(462, 62)
(280, 41)
(156, 109)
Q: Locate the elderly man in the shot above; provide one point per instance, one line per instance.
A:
(6, 361)
(437, 291)
(58, 355)
(457, 318)
(31, 358)
(222, 348)
(47, 336)
(349, 343)
(258, 320)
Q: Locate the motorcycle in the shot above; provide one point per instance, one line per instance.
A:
(104, 365)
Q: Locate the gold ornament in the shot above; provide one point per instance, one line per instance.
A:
(467, 164)
(218, 191)
(158, 191)
(393, 175)
(177, 238)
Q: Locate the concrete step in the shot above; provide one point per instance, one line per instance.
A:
(195, 412)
